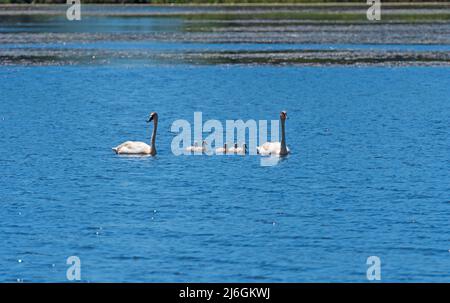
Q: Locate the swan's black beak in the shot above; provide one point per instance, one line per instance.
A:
(150, 119)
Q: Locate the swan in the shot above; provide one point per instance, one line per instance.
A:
(276, 148)
(140, 148)
(222, 150)
(196, 148)
(192, 147)
(240, 150)
(232, 150)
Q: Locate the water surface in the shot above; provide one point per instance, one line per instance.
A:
(368, 174)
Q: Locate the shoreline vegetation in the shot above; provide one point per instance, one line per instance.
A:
(294, 3)
(300, 10)
(300, 33)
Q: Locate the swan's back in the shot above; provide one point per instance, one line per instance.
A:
(195, 148)
(221, 150)
(133, 147)
(269, 148)
(240, 150)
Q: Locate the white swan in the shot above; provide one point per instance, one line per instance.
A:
(140, 148)
(196, 148)
(232, 150)
(222, 150)
(192, 147)
(240, 150)
(276, 148)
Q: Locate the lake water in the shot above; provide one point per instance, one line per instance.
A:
(368, 174)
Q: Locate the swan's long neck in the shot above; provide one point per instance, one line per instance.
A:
(283, 137)
(155, 126)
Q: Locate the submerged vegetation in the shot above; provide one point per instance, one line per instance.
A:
(232, 34)
(326, 11)
(316, 16)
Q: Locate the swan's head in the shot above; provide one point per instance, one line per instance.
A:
(152, 116)
(283, 115)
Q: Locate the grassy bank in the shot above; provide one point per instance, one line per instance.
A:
(297, 10)
(314, 16)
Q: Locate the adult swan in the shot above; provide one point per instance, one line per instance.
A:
(140, 148)
(276, 148)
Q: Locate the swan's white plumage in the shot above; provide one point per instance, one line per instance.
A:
(196, 148)
(133, 147)
(276, 148)
(137, 147)
(221, 150)
(270, 148)
(236, 150)
(239, 150)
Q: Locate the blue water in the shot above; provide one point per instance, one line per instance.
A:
(368, 175)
